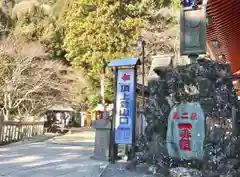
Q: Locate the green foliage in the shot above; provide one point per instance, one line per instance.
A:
(42, 20)
(101, 30)
(87, 32)
(5, 21)
(109, 91)
(97, 31)
(53, 36)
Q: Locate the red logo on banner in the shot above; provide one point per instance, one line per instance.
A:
(185, 135)
(175, 116)
(184, 115)
(194, 116)
(126, 77)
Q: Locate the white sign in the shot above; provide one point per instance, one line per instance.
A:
(125, 106)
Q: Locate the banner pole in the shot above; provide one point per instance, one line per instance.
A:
(113, 148)
(134, 116)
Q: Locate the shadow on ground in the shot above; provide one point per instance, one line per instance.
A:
(47, 159)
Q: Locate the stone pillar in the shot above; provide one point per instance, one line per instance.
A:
(102, 139)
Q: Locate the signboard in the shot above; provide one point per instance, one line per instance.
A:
(193, 31)
(125, 106)
(188, 3)
(186, 131)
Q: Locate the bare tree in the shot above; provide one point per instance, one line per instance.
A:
(162, 32)
(30, 83)
(162, 36)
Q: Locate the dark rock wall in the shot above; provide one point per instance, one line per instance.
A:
(208, 83)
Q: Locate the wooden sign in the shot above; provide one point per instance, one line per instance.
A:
(193, 31)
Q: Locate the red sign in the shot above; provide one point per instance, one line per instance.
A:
(184, 116)
(185, 135)
(126, 77)
(185, 130)
(194, 116)
(175, 116)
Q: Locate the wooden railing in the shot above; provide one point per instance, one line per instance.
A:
(12, 131)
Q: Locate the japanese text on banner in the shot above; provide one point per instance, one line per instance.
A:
(185, 130)
(124, 105)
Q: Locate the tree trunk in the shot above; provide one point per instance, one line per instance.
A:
(1, 125)
(6, 107)
(6, 114)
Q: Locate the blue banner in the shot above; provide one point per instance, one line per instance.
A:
(188, 3)
(124, 106)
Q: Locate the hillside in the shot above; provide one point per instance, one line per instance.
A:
(83, 35)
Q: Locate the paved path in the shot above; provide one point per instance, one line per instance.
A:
(64, 156)
(119, 170)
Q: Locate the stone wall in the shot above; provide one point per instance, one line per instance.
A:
(208, 83)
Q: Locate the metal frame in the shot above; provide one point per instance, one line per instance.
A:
(124, 63)
(113, 145)
(204, 36)
(134, 116)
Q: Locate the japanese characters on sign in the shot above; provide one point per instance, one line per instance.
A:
(185, 116)
(186, 131)
(185, 135)
(124, 106)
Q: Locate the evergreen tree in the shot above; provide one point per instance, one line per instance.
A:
(100, 31)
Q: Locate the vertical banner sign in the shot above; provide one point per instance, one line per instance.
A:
(125, 106)
(193, 31)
